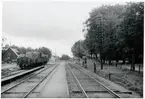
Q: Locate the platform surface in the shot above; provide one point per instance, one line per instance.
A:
(57, 86)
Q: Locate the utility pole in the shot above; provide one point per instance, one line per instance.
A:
(101, 38)
(79, 51)
(101, 41)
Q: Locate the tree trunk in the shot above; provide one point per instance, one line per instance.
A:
(131, 67)
(109, 62)
(123, 61)
(96, 56)
(116, 59)
(116, 62)
(91, 56)
(101, 63)
(85, 62)
(105, 62)
(101, 57)
(139, 69)
(94, 68)
(133, 61)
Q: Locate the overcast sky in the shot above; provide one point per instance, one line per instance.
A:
(56, 25)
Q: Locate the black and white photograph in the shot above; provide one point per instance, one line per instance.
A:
(72, 49)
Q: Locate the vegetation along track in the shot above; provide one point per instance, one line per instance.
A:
(90, 87)
(19, 75)
(12, 73)
(25, 87)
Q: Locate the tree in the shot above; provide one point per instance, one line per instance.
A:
(22, 50)
(79, 49)
(116, 32)
(45, 51)
(65, 57)
(132, 31)
(101, 31)
(4, 39)
(7, 46)
(15, 47)
(29, 49)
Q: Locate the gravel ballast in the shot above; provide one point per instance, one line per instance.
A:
(115, 87)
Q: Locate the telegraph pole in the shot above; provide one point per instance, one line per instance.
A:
(100, 18)
(79, 51)
(102, 39)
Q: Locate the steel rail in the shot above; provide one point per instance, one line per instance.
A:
(27, 94)
(79, 83)
(109, 90)
(24, 80)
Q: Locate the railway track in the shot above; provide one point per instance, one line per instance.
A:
(89, 86)
(26, 87)
(18, 75)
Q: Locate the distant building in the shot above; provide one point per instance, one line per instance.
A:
(10, 55)
(54, 58)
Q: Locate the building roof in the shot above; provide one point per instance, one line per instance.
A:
(15, 51)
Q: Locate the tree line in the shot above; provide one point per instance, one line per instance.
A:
(114, 32)
(64, 57)
(24, 50)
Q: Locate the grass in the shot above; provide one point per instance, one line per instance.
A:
(7, 69)
(131, 80)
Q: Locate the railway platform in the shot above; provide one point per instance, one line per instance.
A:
(8, 66)
(56, 86)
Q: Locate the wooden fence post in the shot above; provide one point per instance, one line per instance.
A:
(139, 69)
(94, 68)
(109, 76)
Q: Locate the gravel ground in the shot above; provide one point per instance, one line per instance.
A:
(93, 89)
(16, 82)
(110, 84)
(72, 85)
(21, 89)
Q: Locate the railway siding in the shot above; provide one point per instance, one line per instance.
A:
(74, 90)
(121, 91)
(12, 77)
(26, 86)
